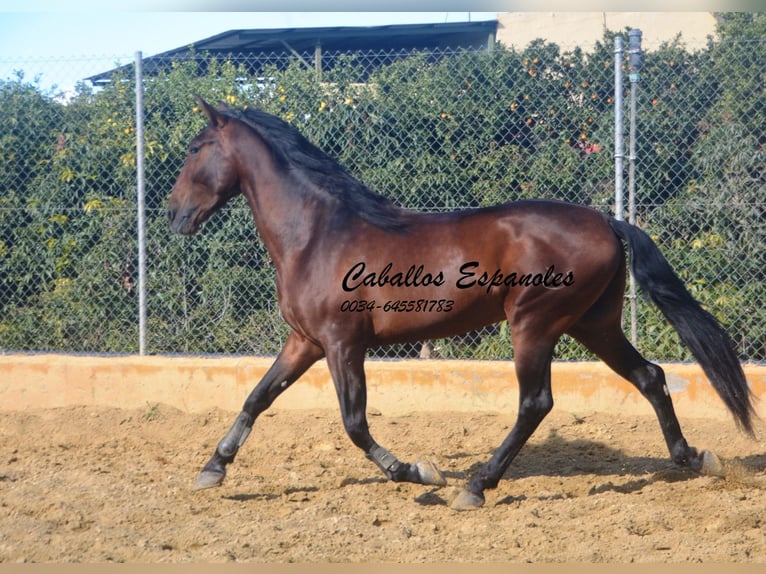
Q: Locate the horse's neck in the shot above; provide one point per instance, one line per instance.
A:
(288, 221)
(290, 218)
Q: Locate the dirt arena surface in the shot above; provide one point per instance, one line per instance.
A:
(92, 484)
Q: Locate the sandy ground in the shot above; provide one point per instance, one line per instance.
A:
(109, 485)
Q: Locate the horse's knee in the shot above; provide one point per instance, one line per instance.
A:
(545, 402)
(536, 406)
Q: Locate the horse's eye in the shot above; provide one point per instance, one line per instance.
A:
(193, 150)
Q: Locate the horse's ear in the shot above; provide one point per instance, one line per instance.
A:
(216, 119)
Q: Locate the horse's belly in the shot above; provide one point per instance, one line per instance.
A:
(404, 320)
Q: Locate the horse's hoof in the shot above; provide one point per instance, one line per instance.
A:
(430, 475)
(209, 479)
(467, 500)
(710, 464)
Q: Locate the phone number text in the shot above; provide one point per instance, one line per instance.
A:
(406, 306)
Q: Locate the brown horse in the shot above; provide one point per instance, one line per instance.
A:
(355, 271)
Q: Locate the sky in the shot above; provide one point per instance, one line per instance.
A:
(106, 33)
(64, 47)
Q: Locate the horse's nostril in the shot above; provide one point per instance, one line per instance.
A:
(171, 214)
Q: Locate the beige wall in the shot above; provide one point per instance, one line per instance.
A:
(196, 384)
(571, 29)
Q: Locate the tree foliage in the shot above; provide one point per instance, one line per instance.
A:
(431, 131)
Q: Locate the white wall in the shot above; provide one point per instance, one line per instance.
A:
(571, 29)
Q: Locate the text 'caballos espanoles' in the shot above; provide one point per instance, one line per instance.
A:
(470, 275)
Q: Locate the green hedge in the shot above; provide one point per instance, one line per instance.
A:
(433, 133)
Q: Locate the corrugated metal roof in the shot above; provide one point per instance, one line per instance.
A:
(352, 38)
(474, 35)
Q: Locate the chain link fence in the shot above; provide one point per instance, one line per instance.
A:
(434, 131)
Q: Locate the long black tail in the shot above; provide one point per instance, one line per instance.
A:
(698, 329)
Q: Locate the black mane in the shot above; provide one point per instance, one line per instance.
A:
(295, 154)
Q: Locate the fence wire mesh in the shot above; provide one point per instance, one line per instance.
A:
(434, 131)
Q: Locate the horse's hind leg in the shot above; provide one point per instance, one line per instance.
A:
(532, 359)
(297, 355)
(606, 339)
(346, 364)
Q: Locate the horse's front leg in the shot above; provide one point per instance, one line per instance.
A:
(346, 365)
(297, 355)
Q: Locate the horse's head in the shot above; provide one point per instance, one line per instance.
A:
(208, 178)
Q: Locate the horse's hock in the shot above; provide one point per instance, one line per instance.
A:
(195, 384)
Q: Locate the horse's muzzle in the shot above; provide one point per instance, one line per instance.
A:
(181, 221)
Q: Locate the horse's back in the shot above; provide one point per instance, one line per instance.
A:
(527, 225)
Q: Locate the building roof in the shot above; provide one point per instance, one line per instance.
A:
(304, 41)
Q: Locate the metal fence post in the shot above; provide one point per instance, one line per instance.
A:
(634, 51)
(318, 60)
(619, 155)
(141, 215)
